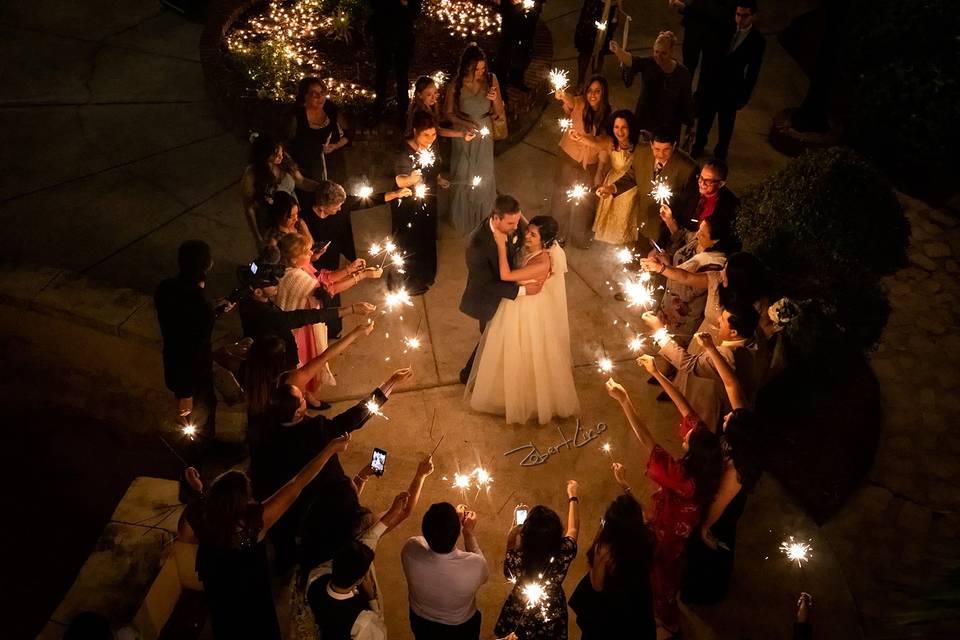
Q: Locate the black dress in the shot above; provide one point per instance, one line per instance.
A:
(706, 577)
(609, 613)
(236, 582)
(306, 146)
(414, 224)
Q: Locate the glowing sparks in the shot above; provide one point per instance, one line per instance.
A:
(798, 552)
(565, 124)
(476, 181)
(534, 593)
(636, 293)
(425, 158)
(645, 276)
(412, 343)
(482, 477)
(484, 132)
(601, 26)
(606, 448)
(461, 481)
(375, 249)
(559, 79)
(604, 365)
(374, 409)
(390, 246)
(661, 336)
(528, 5)
(189, 431)
(661, 192)
(577, 192)
(624, 256)
(420, 191)
(398, 298)
(364, 191)
(636, 343)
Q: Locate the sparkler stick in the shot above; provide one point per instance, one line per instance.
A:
(437, 446)
(173, 451)
(505, 502)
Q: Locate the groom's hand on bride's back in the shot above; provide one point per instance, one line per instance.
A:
(533, 288)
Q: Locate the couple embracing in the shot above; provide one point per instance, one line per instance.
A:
(515, 288)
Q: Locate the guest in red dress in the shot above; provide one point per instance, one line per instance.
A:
(686, 486)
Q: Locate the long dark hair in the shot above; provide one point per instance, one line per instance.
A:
(742, 444)
(703, 463)
(548, 227)
(421, 120)
(595, 122)
(472, 55)
(227, 510)
(540, 540)
(266, 361)
(630, 543)
(303, 88)
(633, 136)
(262, 150)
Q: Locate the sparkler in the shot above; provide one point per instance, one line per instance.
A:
(484, 131)
(412, 343)
(461, 481)
(364, 191)
(661, 336)
(397, 260)
(527, 5)
(559, 79)
(636, 293)
(390, 246)
(577, 192)
(661, 192)
(420, 191)
(189, 431)
(565, 124)
(425, 158)
(798, 552)
(606, 449)
(397, 298)
(374, 409)
(636, 343)
(624, 256)
(601, 26)
(482, 477)
(476, 181)
(604, 365)
(375, 249)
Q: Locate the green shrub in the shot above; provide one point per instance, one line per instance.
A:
(902, 69)
(828, 226)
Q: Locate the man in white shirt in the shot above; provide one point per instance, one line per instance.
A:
(443, 580)
(344, 601)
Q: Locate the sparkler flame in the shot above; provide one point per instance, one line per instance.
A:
(397, 298)
(476, 181)
(374, 409)
(798, 552)
(661, 191)
(565, 124)
(484, 132)
(636, 293)
(577, 192)
(559, 79)
(397, 260)
(189, 430)
(375, 249)
(534, 593)
(425, 158)
(364, 191)
(601, 26)
(412, 343)
(624, 255)
(661, 335)
(461, 481)
(527, 5)
(636, 343)
(606, 448)
(604, 365)
(420, 191)
(482, 476)
(390, 246)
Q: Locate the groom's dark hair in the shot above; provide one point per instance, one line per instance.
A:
(505, 205)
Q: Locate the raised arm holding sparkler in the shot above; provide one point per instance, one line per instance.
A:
(310, 369)
(407, 501)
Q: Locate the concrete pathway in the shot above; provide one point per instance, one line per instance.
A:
(111, 156)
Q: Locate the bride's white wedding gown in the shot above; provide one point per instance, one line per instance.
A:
(523, 366)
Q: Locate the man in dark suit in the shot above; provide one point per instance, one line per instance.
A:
(484, 289)
(729, 75)
(391, 24)
(703, 22)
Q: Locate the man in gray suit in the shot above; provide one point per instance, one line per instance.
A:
(485, 289)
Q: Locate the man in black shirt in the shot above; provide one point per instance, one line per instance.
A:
(289, 439)
(186, 320)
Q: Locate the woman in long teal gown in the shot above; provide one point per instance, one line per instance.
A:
(473, 101)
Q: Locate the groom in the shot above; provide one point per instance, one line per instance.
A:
(484, 289)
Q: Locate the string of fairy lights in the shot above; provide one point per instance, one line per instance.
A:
(278, 45)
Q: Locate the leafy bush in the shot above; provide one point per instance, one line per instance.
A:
(901, 66)
(828, 226)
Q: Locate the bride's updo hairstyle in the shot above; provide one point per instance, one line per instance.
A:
(548, 227)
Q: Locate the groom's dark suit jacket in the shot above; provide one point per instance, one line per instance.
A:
(484, 289)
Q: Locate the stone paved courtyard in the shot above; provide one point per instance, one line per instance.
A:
(112, 155)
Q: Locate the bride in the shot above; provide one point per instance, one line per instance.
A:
(523, 366)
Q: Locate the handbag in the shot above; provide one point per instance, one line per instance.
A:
(500, 128)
